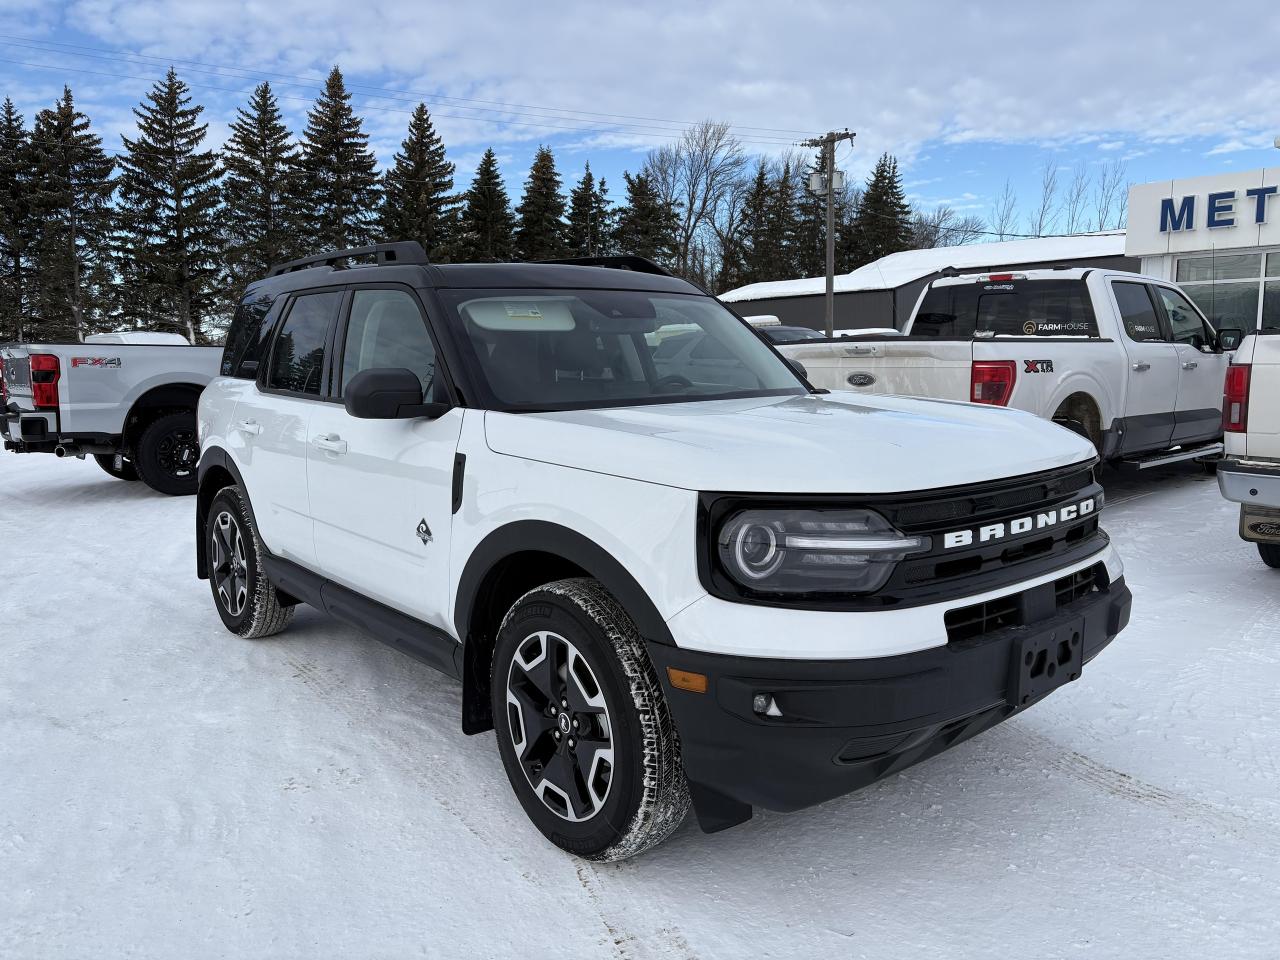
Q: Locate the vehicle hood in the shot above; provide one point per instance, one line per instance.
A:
(833, 443)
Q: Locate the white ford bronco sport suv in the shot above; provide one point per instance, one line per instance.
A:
(659, 591)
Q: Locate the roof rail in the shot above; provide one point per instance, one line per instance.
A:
(384, 254)
(622, 262)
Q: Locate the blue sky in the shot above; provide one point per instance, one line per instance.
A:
(966, 99)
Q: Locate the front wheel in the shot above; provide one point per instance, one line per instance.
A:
(107, 461)
(1270, 554)
(583, 728)
(168, 454)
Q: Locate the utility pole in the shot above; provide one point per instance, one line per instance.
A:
(828, 145)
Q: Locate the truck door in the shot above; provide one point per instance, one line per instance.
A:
(1198, 415)
(1154, 367)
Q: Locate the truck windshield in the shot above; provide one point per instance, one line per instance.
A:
(1012, 308)
(537, 350)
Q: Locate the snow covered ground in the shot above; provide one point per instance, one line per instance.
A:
(167, 790)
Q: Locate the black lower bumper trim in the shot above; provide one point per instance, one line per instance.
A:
(846, 723)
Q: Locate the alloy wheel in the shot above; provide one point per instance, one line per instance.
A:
(230, 570)
(560, 726)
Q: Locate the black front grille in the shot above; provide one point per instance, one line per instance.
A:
(991, 501)
(1019, 609)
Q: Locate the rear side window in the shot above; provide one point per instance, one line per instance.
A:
(297, 360)
(1137, 311)
(247, 337)
(1012, 308)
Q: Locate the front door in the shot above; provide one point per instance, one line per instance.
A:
(381, 490)
(1199, 411)
(1152, 388)
(270, 424)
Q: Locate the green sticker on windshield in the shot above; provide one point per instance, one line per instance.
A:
(523, 311)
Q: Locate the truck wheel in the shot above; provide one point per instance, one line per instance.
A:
(583, 728)
(246, 600)
(107, 461)
(1270, 554)
(168, 454)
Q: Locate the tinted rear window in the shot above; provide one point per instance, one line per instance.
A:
(246, 340)
(1013, 308)
(298, 359)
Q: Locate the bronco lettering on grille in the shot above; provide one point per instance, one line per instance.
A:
(1013, 528)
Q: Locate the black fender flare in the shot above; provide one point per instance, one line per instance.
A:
(210, 458)
(542, 536)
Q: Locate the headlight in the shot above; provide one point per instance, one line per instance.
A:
(812, 551)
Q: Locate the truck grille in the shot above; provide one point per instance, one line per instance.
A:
(966, 623)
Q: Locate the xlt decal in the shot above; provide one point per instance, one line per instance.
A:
(1038, 366)
(1013, 528)
(95, 362)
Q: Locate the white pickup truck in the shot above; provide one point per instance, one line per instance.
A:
(1249, 473)
(1126, 360)
(126, 399)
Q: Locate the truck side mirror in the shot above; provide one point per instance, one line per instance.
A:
(388, 393)
(1230, 338)
(798, 367)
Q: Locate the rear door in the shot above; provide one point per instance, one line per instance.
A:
(270, 423)
(381, 490)
(1198, 414)
(1154, 369)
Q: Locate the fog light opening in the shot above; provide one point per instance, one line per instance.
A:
(765, 706)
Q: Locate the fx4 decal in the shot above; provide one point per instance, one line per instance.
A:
(95, 362)
(1038, 366)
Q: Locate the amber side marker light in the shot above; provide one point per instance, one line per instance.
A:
(687, 680)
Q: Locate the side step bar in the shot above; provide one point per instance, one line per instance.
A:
(1204, 451)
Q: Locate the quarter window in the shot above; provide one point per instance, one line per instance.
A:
(387, 330)
(297, 361)
(1137, 311)
(247, 337)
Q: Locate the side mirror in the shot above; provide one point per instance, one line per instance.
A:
(1230, 338)
(388, 393)
(798, 367)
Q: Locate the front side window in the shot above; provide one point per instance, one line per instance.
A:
(297, 360)
(1137, 311)
(1184, 322)
(387, 329)
(578, 349)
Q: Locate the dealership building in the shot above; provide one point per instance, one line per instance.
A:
(1217, 236)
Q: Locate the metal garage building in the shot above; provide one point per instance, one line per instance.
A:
(883, 293)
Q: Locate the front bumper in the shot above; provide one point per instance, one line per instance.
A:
(846, 723)
(1250, 482)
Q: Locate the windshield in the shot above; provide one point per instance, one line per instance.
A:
(575, 349)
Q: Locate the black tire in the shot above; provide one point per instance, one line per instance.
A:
(107, 461)
(643, 796)
(247, 602)
(168, 454)
(1270, 554)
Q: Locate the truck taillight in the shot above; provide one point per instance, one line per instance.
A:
(1235, 399)
(991, 381)
(44, 381)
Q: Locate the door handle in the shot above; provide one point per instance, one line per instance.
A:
(859, 351)
(1141, 366)
(251, 427)
(330, 443)
(1190, 365)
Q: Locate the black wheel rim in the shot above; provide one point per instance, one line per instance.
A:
(178, 453)
(227, 560)
(560, 726)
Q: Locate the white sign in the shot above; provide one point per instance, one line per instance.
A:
(1222, 212)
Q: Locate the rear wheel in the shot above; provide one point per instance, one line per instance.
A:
(168, 454)
(107, 461)
(247, 602)
(1270, 554)
(584, 731)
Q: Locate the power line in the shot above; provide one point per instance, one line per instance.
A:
(614, 121)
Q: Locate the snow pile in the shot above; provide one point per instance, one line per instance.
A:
(899, 268)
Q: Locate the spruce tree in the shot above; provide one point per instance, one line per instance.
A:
(645, 226)
(17, 223)
(590, 227)
(340, 169)
(262, 191)
(884, 218)
(71, 188)
(486, 225)
(169, 245)
(540, 227)
(757, 211)
(417, 195)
